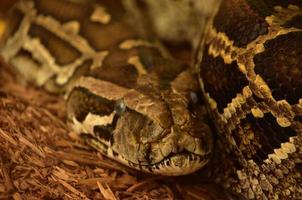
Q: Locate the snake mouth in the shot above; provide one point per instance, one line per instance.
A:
(175, 164)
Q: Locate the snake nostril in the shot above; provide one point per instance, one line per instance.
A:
(120, 107)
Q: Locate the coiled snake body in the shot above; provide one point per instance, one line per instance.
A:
(250, 74)
(133, 102)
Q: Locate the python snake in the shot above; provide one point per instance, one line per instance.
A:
(128, 98)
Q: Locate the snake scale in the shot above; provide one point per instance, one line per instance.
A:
(131, 100)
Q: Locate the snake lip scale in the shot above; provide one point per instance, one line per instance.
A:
(172, 165)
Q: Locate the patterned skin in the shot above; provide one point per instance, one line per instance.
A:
(250, 72)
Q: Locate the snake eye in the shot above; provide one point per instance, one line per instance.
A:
(194, 98)
(120, 107)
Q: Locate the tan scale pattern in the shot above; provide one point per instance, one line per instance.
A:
(67, 32)
(254, 181)
(243, 57)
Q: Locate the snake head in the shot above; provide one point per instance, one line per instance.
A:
(159, 132)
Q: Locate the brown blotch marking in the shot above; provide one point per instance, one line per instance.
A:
(240, 25)
(14, 21)
(151, 59)
(264, 134)
(122, 75)
(103, 132)
(100, 36)
(62, 51)
(64, 11)
(280, 66)
(166, 69)
(81, 102)
(222, 81)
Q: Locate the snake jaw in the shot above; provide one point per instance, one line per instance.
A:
(177, 154)
(173, 165)
(181, 164)
(173, 156)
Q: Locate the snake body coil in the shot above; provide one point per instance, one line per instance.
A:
(249, 67)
